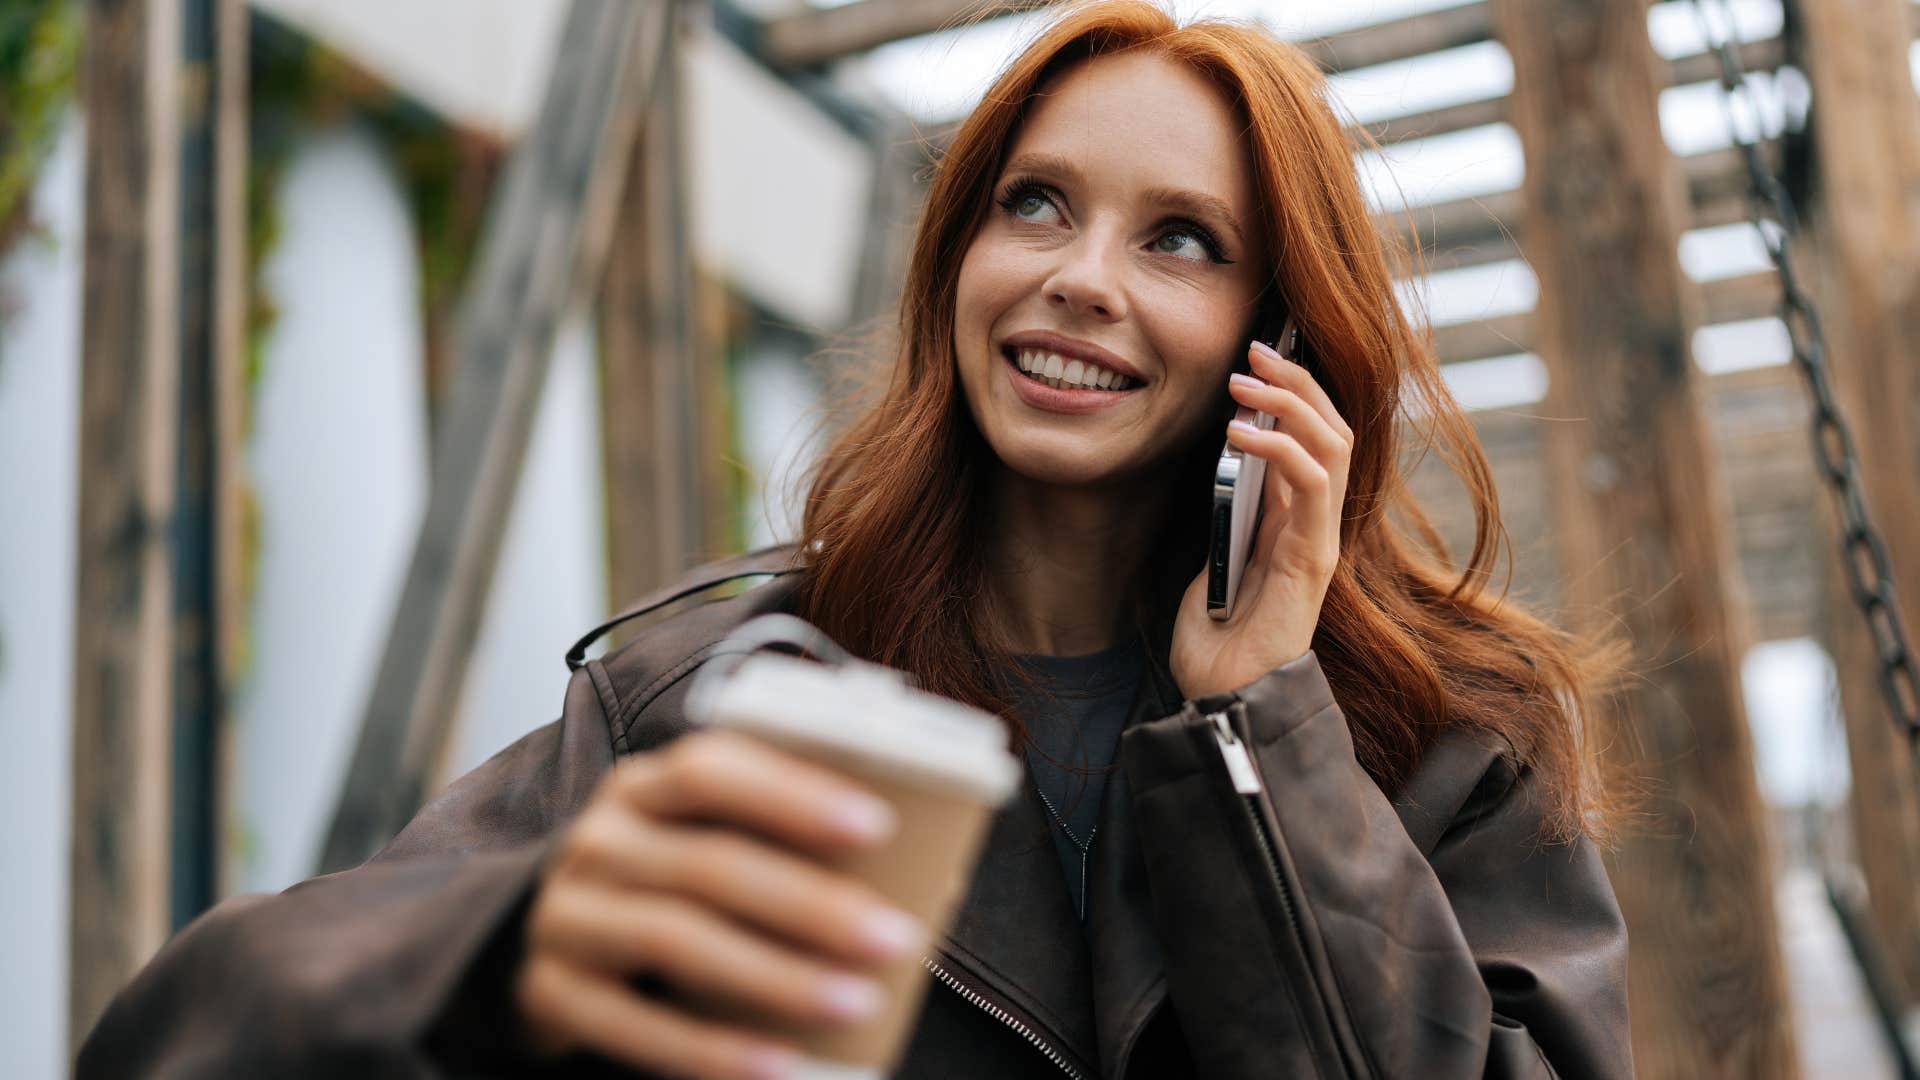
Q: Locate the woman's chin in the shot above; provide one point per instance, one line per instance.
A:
(1059, 460)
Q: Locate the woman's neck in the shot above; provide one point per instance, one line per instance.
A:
(1063, 561)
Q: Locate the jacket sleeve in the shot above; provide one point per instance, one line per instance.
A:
(395, 968)
(1308, 933)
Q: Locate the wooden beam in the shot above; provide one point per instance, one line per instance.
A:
(1482, 339)
(1403, 39)
(1479, 229)
(814, 37)
(1758, 421)
(1747, 296)
(545, 242)
(1445, 120)
(206, 560)
(651, 417)
(228, 343)
(129, 390)
(1642, 516)
(1698, 67)
(1863, 239)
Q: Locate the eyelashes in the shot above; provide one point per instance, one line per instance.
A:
(1022, 188)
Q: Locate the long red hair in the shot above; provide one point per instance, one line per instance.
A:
(895, 520)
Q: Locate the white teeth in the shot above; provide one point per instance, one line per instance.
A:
(1057, 371)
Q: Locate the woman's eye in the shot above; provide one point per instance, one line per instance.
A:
(1195, 249)
(1024, 199)
(1203, 246)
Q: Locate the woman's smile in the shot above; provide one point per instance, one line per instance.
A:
(1073, 391)
(1060, 374)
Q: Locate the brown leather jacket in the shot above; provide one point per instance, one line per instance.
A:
(1313, 927)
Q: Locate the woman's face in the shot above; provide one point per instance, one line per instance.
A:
(1124, 231)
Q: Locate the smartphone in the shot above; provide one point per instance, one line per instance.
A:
(1238, 479)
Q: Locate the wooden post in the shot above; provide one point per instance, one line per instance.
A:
(544, 245)
(1863, 233)
(212, 327)
(1641, 517)
(123, 640)
(650, 409)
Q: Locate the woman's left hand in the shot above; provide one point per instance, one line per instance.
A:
(1296, 546)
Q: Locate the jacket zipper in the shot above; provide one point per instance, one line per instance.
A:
(1246, 783)
(1002, 1015)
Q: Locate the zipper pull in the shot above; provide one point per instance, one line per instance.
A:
(1246, 778)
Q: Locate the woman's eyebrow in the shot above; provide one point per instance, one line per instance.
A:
(1193, 202)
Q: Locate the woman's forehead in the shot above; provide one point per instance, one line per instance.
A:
(1139, 118)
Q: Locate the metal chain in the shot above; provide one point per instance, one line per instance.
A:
(1862, 550)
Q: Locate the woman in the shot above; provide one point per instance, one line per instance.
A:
(1405, 884)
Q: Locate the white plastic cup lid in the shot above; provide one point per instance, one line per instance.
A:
(865, 711)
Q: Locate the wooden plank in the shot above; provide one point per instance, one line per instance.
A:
(1747, 296)
(1479, 229)
(1403, 39)
(545, 243)
(1864, 254)
(1759, 429)
(1643, 516)
(1482, 339)
(814, 37)
(1698, 67)
(229, 345)
(1445, 120)
(123, 639)
(206, 560)
(651, 417)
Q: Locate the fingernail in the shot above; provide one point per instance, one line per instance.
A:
(772, 1062)
(1243, 427)
(1239, 379)
(864, 817)
(850, 997)
(891, 932)
(1267, 350)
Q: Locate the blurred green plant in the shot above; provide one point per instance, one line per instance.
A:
(39, 60)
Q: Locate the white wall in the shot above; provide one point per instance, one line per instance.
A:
(39, 426)
(338, 459)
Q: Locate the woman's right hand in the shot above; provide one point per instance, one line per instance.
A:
(691, 863)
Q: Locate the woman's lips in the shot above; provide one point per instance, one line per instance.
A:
(1055, 399)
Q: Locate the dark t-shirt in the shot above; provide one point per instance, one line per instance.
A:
(1074, 727)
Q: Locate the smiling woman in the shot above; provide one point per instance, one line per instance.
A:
(1132, 209)
(1347, 831)
(1146, 199)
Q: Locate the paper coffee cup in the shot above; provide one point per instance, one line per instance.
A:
(945, 768)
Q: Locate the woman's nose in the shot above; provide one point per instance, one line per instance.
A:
(1087, 281)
